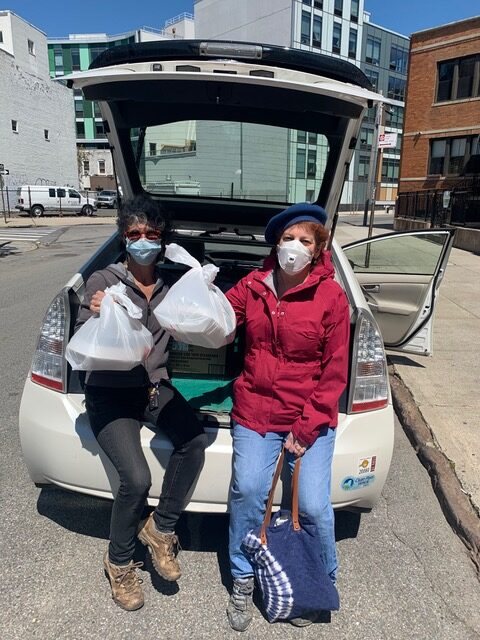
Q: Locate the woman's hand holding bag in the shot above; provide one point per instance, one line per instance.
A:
(115, 340)
(194, 310)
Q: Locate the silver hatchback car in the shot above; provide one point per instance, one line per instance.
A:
(254, 127)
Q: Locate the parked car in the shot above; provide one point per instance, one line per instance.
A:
(271, 126)
(38, 199)
(107, 199)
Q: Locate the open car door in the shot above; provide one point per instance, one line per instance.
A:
(400, 274)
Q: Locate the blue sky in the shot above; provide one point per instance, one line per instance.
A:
(58, 18)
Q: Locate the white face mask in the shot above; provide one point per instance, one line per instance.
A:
(293, 256)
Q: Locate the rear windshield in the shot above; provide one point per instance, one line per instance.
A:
(238, 160)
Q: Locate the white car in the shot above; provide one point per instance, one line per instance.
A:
(259, 127)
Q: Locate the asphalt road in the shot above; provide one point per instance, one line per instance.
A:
(404, 574)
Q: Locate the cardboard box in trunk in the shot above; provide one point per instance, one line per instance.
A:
(188, 359)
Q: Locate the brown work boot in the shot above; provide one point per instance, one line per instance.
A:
(125, 583)
(163, 548)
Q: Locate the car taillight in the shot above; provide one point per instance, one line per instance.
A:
(49, 367)
(369, 386)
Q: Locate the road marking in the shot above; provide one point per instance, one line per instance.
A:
(27, 235)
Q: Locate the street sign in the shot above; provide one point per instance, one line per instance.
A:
(387, 140)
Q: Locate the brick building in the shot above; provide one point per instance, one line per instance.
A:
(441, 140)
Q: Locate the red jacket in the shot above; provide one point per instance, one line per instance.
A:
(296, 355)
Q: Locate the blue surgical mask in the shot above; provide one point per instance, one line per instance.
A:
(144, 251)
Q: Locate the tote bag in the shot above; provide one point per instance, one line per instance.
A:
(285, 553)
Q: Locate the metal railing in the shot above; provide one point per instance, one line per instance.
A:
(459, 206)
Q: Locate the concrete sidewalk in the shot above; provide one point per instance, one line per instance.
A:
(435, 397)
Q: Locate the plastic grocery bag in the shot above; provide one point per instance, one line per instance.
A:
(115, 340)
(194, 310)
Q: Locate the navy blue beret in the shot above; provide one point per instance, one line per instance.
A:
(300, 212)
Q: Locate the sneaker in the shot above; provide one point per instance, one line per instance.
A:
(239, 610)
(306, 620)
(125, 584)
(163, 547)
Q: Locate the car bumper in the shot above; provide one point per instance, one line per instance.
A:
(59, 448)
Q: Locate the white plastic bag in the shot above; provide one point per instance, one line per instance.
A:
(194, 310)
(115, 340)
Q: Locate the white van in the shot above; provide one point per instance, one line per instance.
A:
(38, 199)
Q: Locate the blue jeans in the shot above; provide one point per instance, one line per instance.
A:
(254, 460)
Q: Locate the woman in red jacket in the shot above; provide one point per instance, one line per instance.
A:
(297, 324)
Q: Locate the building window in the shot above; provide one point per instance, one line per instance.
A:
(366, 138)
(354, 9)
(301, 137)
(459, 78)
(152, 149)
(80, 126)
(390, 169)
(307, 2)
(398, 59)
(312, 163)
(75, 58)
(15, 126)
(448, 156)
(58, 59)
(372, 54)
(46, 134)
(86, 167)
(337, 37)
(99, 130)
(1, 36)
(301, 160)
(318, 4)
(352, 44)
(363, 167)
(396, 88)
(305, 29)
(31, 47)
(77, 93)
(101, 166)
(394, 117)
(96, 110)
(312, 138)
(317, 32)
(338, 7)
(96, 51)
(79, 108)
(373, 77)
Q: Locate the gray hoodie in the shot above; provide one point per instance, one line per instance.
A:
(154, 368)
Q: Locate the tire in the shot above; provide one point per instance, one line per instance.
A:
(87, 210)
(37, 210)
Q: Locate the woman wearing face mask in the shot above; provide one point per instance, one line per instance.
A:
(297, 323)
(117, 402)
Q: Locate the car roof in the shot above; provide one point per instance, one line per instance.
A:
(261, 54)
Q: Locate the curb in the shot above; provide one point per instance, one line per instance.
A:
(454, 501)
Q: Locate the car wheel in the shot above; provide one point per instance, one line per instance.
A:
(87, 210)
(37, 211)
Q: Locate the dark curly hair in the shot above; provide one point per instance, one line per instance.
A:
(143, 210)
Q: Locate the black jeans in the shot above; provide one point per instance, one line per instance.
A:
(115, 416)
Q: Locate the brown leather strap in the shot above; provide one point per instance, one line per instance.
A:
(268, 511)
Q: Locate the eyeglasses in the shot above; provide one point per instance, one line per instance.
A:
(151, 234)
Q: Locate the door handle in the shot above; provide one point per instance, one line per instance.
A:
(371, 287)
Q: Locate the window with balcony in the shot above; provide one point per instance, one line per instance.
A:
(352, 44)
(305, 28)
(398, 59)
(372, 53)
(396, 88)
(317, 32)
(337, 37)
(458, 78)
